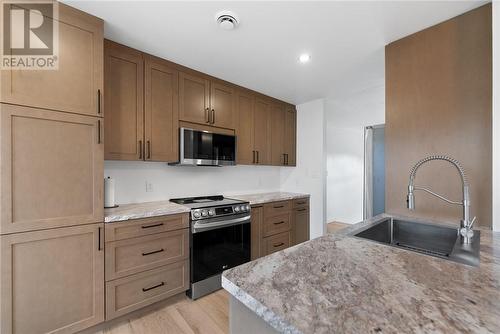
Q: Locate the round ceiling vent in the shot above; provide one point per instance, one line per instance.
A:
(227, 20)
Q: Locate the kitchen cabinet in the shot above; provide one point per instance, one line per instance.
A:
(76, 86)
(124, 81)
(300, 221)
(262, 131)
(222, 105)
(52, 169)
(245, 129)
(278, 157)
(256, 232)
(161, 112)
(52, 281)
(290, 141)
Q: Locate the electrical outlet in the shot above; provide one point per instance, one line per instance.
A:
(149, 187)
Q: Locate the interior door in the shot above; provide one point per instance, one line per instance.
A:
(77, 84)
(51, 169)
(278, 134)
(290, 136)
(124, 130)
(194, 99)
(262, 131)
(222, 103)
(161, 111)
(245, 128)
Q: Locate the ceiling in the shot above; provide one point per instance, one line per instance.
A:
(344, 38)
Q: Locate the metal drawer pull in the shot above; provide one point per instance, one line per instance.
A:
(302, 209)
(153, 252)
(278, 245)
(278, 223)
(155, 225)
(300, 203)
(153, 287)
(279, 206)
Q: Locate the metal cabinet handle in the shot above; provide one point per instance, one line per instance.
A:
(148, 143)
(99, 238)
(98, 131)
(140, 149)
(257, 156)
(278, 245)
(213, 116)
(150, 226)
(207, 113)
(286, 154)
(278, 206)
(279, 223)
(302, 209)
(98, 101)
(153, 287)
(153, 252)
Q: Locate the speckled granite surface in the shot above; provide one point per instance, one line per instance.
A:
(142, 210)
(262, 198)
(342, 284)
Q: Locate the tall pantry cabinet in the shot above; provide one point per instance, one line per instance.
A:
(51, 191)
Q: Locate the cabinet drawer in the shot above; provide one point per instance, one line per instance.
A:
(131, 256)
(300, 202)
(277, 208)
(277, 224)
(134, 292)
(140, 227)
(277, 242)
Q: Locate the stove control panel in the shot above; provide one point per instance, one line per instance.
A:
(197, 214)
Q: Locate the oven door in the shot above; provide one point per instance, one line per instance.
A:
(216, 249)
(204, 148)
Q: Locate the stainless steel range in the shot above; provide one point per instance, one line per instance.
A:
(219, 239)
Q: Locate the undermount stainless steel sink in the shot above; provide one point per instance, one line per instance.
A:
(439, 241)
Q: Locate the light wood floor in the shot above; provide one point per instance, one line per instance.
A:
(335, 226)
(209, 315)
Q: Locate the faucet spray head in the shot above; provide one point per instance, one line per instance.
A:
(410, 199)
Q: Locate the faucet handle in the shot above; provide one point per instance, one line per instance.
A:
(472, 222)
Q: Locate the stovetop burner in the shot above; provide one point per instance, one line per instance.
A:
(206, 201)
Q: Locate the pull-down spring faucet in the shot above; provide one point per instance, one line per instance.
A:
(466, 224)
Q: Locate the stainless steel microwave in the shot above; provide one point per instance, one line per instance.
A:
(204, 148)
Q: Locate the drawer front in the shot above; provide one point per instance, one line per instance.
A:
(300, 202)
(277, 242)
(140, 227)
(277, 208)
(131, 256)
(133, 292)
(277, 224)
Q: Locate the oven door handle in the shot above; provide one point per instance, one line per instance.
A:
(202, 227)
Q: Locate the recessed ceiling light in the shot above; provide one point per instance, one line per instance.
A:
(227, 20)
(304, 58)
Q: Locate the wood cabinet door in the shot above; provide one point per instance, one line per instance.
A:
(300, 226)
(161, 111)
(194, 99)
(290, 136)
(262, 131)
(223, 106)
(52, 281)
(245, 154)
(278, 157)
(77, 84)
(51, 167)
(256, 232)
(123, 76)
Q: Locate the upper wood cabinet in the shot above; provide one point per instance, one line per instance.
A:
(52, 281)
(278, 155)
(262, 131)
(222, 105)
(161, 112)
(77, 85)
(194, 99)
(142, 106)
(124, 81)
(245, 129)
(290, 141)
(52, 169)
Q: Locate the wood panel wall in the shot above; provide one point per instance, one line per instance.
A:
(439, 101)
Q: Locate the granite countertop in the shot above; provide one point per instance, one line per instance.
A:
(341, 284)
(262, 198)
(142, 210)
(162, 208)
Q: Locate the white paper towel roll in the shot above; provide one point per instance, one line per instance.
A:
(109, 192)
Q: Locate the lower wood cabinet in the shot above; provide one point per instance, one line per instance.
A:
(279, 225)
(52, 281)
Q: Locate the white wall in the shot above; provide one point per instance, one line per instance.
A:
(309, 175)
(496, 116)
(181, 181)
(345, 122)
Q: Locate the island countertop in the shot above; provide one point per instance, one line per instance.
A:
(342, 284)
